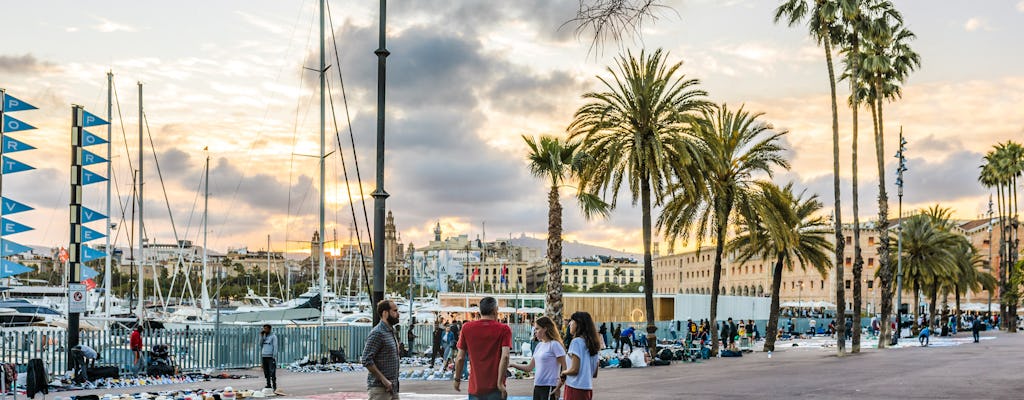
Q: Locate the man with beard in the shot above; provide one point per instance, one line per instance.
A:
(380, 355)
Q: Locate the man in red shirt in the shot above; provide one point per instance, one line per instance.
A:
(135, 343)
(484, 339)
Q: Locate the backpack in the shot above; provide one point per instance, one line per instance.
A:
(625, 363)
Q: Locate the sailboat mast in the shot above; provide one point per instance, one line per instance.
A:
(140, 308)
(205, 293)
(334, 275)
(268, 265)
(323, 114)
(107, 284)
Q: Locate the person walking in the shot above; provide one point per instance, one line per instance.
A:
(976, 330)
(135, 344)
(411, 337)
(448, 343)
(813, 325)
(616, 334)
(380, 354)
(436, 349)
(579, 377)
(548, 358)
(604, 333)
(268, 357)
(732, 332)
(488, 343)
(625, 338)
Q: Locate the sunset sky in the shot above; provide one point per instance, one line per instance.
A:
(465, 80)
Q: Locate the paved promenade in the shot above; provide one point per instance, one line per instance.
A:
(950, 368)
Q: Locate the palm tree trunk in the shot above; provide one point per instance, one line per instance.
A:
(837, 210)
(858, 262)
(931, 306)
(554, 283)
(645, 200)
(917, 301)
(884, 266)
(1003, 252)
(957, 298)
(772, 331)
(716, 275)
(1014, 241)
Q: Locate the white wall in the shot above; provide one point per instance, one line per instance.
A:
(698, 306)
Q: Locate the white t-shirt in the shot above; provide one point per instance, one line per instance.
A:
(584, 379)
(545, 358)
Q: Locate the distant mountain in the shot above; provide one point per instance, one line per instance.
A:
(573, 249)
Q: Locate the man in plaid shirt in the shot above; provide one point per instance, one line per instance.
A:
(380, 356)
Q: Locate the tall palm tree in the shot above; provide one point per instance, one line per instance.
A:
(822, 23)
(1003, 164)
(927, 255)
(559, 162)
(887, 62)
(783, 226)
(733, 148)
(635, 130)
(968, 276)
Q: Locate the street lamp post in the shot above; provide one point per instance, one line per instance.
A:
(989, 251)
(899, 237)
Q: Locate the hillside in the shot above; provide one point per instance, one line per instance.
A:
(573, 249)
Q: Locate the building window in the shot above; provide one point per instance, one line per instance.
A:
(631, 275)
(576, 280)
(584, 280)
(606, 272)
(584, 272)
(849, 240)
(871, 285)
(595, 272)
(847, 283)
(849, 261)
(577, 272)
(871, 240)
(823, 284)
(871, 261)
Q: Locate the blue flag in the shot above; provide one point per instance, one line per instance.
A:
(90, 215)
(12, 207)
(89, 139)
(10, 248)
(89, 234)
(11, 166)
(12, 124)
(88, 273)
(10, 268)
(12, 104)
(89, 254)
(8, 227)
(88, 158)
(89, 177)
(91, 120)
(12, 145)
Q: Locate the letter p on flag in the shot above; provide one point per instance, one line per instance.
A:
(88, 119)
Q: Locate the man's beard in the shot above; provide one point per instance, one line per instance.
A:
(392, 320)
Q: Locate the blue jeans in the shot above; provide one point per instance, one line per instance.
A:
(495, 395)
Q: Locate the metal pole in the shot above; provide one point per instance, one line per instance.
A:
(899, 239)
(380, 195)
(140, 309)
(268, 266)
(107, 274)
(323, 193)
(75, 245)
(989, 251)
(205, 299)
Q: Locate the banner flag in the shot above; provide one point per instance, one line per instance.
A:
(89, 234)
(89, 254)
(10, 248)
(13, 207)
(88, 273)
(12, 145)
(10, 268)
(89, 139)
(90, 215)
(8, 227)
(88, 158)
(12, 124)
(89, 283)
(91, 120)
(12, 104)
(89, 177)
(12, 166)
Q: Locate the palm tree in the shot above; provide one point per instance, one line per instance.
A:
(634, 129)
(733, 148)
(887, 62)
(927, 255)
(1001, 168)
(559, 162)
(967, 276)
(822, 24)
(782, 225)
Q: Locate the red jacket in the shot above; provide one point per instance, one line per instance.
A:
(135, 342)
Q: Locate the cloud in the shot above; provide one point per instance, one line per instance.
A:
(1020, 6)
(24, 64)
(262, 23)
(108, 26)
(975, 23)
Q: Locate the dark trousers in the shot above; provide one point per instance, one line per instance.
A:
(543, 393)
(625, 341)
(270, 372)
(977, 336)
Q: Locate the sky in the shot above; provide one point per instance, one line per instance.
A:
(465, 80)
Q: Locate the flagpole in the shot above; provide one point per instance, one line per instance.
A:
(106, 263)
(140, 307)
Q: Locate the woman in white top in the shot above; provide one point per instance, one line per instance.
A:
(548, 357)
(579, 377)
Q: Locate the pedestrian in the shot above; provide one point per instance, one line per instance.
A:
(268, 357)
(723, 335)
(922, 337)
(411, 337)
(436, 348)
(732, 331)
(380, 354)
(548, 358)
(849, 328)
(813, 326)
(604, 333)
(616, 334)
(691, 329)
(976, 330)
(448, 342)
(579, 377)
(673, 329)
(625, 339)
(488, 343)
(135, 344)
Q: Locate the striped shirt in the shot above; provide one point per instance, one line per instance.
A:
(381, 350)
